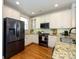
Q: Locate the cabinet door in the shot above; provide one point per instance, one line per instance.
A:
(28, 39)
(38, 20)
(54, 20)
(34, 38)
(65, 19)
(73, 15)
(52, 41)
(33, 23)
(61, 19)
(31, 39)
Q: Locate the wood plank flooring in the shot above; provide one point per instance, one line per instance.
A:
(34, 51)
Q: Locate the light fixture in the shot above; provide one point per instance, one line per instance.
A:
(56, 5)
(17, 3)
(33, 12)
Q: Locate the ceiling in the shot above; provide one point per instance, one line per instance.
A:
(33, 8)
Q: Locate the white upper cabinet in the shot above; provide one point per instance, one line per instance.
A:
(60, 19)
(38, 21)
(73, 15)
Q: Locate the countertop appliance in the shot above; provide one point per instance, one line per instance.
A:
(13, 37)
(65, 33)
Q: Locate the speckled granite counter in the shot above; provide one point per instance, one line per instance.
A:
(64, 51)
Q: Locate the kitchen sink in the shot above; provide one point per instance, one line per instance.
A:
(67, 39)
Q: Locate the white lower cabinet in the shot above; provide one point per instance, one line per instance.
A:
(27, 39)
(52, 41)
(34, 39)
(31, 39)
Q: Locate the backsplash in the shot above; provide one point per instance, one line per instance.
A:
(42, 30)
(50, 31)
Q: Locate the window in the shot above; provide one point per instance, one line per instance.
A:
(25, 21)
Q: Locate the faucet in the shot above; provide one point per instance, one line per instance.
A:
(71, 29)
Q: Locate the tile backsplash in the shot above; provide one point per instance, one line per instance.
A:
(51, 31)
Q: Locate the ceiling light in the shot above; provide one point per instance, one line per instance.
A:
(33, 12)
(17, 3)
(56, 5)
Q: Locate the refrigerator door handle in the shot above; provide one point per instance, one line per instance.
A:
(18, 29)
(15, 28)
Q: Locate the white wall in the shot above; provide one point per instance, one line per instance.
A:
(10, 12)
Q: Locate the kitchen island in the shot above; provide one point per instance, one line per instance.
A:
(64, 51)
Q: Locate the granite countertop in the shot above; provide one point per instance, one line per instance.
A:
(64, 51)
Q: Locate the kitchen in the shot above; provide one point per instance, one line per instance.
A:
(52, 29)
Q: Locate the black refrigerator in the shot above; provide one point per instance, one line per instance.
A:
(13, 37)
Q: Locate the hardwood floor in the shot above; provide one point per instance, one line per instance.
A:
(34, 51)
